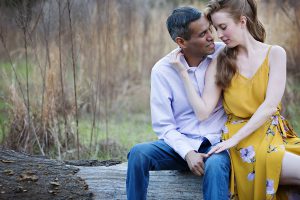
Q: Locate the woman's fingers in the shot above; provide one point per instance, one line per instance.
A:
(218, 148)
(212, 150)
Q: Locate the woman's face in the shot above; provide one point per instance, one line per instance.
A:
(227, 29)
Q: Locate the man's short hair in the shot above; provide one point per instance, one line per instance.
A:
(179, 20)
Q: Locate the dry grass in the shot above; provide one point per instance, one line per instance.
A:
(113, 48)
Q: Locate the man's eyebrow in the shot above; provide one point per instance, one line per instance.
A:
(206, 29)
(203, 32)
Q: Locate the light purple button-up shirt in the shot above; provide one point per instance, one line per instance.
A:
(173, 118)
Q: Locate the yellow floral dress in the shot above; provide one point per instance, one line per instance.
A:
(256, 160)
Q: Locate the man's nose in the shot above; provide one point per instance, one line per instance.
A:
(209, 36)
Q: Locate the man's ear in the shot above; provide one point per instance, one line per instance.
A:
(243, 21)
(181, 42)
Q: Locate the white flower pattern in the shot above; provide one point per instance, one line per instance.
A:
(248, 154)
(270, 186)
(251, 176)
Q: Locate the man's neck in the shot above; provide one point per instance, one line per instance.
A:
(193, 61)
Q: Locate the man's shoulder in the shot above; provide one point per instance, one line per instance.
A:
(163, 64)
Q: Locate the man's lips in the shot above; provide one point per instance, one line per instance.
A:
(212, 45)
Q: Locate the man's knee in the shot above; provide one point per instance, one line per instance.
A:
(140, 153)
(218, 162)
(136, 150)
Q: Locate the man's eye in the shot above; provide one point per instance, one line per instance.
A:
(203, 34)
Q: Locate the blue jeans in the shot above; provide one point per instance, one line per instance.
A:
(157, 155)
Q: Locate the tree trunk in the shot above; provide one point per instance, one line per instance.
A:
(30, 177)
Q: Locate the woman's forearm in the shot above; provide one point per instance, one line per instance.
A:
(200, 108)
(263, 113)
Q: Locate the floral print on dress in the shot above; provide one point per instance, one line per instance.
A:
(282, 147)
(272, 149)
(270, 186)
(275, 120)
(251, 176)
(248, 154)
(238, 121)
(225, 129)
(270, 132)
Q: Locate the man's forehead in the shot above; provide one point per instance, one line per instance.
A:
(200, 25)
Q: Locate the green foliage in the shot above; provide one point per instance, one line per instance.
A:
(114, 139)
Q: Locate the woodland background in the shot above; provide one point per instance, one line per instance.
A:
(75, 74)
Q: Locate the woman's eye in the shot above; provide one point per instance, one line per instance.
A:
(223, 27)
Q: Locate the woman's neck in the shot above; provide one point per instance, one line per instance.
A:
(249, 45)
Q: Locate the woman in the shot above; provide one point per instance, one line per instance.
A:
(264, 149)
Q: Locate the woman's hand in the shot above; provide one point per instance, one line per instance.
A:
(175, 61)
(222, 146)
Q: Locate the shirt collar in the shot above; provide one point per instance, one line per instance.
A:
(184, 62)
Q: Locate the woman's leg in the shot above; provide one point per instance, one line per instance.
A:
(290, 173)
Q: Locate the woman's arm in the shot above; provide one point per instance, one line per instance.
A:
(204, 105)
(275, 90)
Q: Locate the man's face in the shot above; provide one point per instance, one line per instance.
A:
(201, 42)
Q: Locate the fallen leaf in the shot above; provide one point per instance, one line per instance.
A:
(9, 172)
(55, 183)
(19, 189)
(28, 176)
(7, 161)
(51, 192)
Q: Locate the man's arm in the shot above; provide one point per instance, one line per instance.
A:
(164, 124)
(163, 121)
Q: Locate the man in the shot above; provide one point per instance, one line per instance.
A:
(183, 139)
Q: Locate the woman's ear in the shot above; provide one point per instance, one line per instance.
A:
(181, 42)
(243, 21)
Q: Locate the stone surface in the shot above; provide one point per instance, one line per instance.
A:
(109, 183)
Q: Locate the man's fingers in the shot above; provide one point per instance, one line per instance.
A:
(196, 172)
(200, 167)
(201, 171)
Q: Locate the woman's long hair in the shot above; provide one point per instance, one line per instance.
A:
(226, 61)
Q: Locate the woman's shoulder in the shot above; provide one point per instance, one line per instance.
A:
(277, 57)
(276, 50)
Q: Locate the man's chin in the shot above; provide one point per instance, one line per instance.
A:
(211, 51)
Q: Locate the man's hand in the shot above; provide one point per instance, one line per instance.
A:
(195, 162)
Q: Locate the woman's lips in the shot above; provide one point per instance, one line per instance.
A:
(226, 41)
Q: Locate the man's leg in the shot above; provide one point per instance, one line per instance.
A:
(216, 176)
(145, 157)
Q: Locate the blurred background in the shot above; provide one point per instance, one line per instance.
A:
(75, 74)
